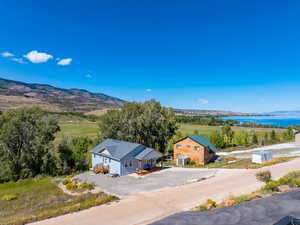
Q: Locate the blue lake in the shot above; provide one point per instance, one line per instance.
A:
(282, 121)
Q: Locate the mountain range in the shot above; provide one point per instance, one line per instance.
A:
(194, 112)
(14, 94)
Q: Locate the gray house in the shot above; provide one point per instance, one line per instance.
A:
(123, 157)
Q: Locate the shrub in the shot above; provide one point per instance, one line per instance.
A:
(202, 208)
(66, 181)
(293, 174)
(294, 183)
(9, 197)
(243, 198)
(71, 186)
(284, 181)
(272, 186)
(71, 176)
(264, 176)
(211, 202)
(87, 186)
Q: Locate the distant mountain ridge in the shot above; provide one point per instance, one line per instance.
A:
(212, 112)
(286, 112)
(15, 94)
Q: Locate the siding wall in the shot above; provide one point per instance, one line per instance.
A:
(134, 162)
(114, 165)
(201, 156)
(297, 138)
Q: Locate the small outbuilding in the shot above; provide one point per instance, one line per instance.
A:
(297, 137)
(261, 157)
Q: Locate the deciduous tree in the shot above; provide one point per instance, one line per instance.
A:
(146, 123)
(26, 142)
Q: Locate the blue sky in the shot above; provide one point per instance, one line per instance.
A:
(210, 54)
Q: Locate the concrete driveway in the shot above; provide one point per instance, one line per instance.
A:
(133, 183)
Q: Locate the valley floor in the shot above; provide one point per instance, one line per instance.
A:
(147, 207)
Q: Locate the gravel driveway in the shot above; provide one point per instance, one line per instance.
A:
(132, 184)
(265, 211)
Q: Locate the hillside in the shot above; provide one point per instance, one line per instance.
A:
(14, 94)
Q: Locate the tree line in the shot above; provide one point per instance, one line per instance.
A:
(227, 138)
(205, 120)
(27, 149)
(27, 135)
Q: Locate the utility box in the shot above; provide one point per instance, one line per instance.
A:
(261, 157)
(297, 138)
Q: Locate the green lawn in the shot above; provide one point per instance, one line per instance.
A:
(77, 128)
(90, 129)
(39, 199)
(188, 129)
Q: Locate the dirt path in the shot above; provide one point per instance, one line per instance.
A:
(150, 206)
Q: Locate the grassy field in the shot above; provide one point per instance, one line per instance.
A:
(188, 129)
(39, 199)
(77, 128)
(90, 129)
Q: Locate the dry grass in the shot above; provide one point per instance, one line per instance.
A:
(40, 199)
(12, 102)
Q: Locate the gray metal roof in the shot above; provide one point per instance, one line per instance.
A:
(117, 149)
(148, 153)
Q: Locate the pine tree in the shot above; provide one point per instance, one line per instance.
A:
(254, 139)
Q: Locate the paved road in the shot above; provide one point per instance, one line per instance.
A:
(152, 206)
(133, 184)
(265, 211)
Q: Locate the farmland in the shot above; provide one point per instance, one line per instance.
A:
(188, 129)
(90, 129)
(77, 128)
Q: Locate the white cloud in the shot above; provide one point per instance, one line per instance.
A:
(18, 60)
(203, 101)
(64, 62)
(38, 57)
(88, 75)
(7, 54)
(148, 90)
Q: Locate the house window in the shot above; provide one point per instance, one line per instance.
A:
(109, 160)
(126, 164)
(178, 146)
(130, 163)
(197, 148)
(188, 146)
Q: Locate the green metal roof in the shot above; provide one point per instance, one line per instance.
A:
(203, 141)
